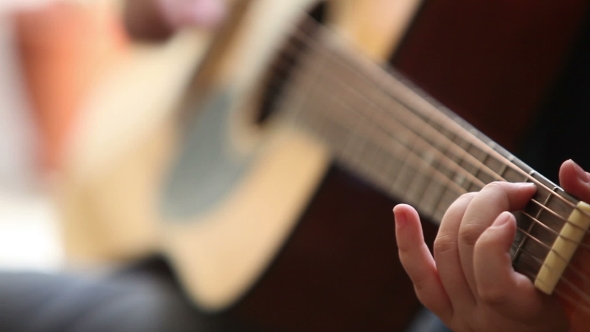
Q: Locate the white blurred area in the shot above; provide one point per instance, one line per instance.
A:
(29, 236)
(107, 178)
(9, 5)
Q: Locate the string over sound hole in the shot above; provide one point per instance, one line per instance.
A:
(286, 61)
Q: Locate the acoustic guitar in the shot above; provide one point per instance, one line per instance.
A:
(279, 96)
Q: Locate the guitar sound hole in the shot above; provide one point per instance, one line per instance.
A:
(286, 60)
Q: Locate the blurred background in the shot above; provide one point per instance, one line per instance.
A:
(88, 95)
(70, 115)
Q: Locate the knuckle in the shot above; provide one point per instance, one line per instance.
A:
(469, 233)
(407, 249)
(420, 285)
(444, 243)
(466, 197)
(422, 294)
(493, 295)
(403, 248)
(458, 206)
(494, 186)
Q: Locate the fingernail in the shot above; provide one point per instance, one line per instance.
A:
(527, 185)
(400, 219)
(582, 175)
(503, 219)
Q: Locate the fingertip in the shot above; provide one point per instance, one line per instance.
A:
(504, 219)
(494, 274)
(407, 225)
(402, 208)
(401, 213)
(575, 180)
(418, 262)
(523, 192)
(500, 234)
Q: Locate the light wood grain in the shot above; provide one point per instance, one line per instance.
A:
(223, 251)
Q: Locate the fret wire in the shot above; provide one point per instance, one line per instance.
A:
(446, 119)
(544, 245)
(580, 304)
(543, 204)
(554, 232)
(488, 155)
(479, 170)
(302, 96)
(372, 133)
(486, 147)
(348, 148)
(383, 133)
(504, 164)
(462, 153)
(445, 179)
(534, 180)
(412, 149)
(398, 182)
(529, 177)
(396, 137)
(555, 214)
(422, 191)
(504, 168)
(444, 149)
(404, 169)
(432, 195)
(529, 231)
(519, 247)
(437, 152)
(524, 239)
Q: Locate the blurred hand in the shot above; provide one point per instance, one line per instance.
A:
(182, 13)
(10, 6)
(157, 19)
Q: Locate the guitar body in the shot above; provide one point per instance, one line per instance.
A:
(256, 219)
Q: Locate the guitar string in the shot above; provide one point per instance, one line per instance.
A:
(417, 137)
(306, 38)
(552, 231)
(473, 179)
(461, 189)
(330, 110)
(386, 145)
(437, 113)
(578, 303)
(545, 207)
(534, 219)
(570, 267)
(566, 283)
(575, 270)
(481, 183)
(504, 158)
(464, 131)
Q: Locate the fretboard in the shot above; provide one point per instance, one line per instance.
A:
(411, 147)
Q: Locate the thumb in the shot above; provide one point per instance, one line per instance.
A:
(575, 180)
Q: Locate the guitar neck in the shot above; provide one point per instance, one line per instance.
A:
(411, 147)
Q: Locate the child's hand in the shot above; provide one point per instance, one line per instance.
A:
(470, 283)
